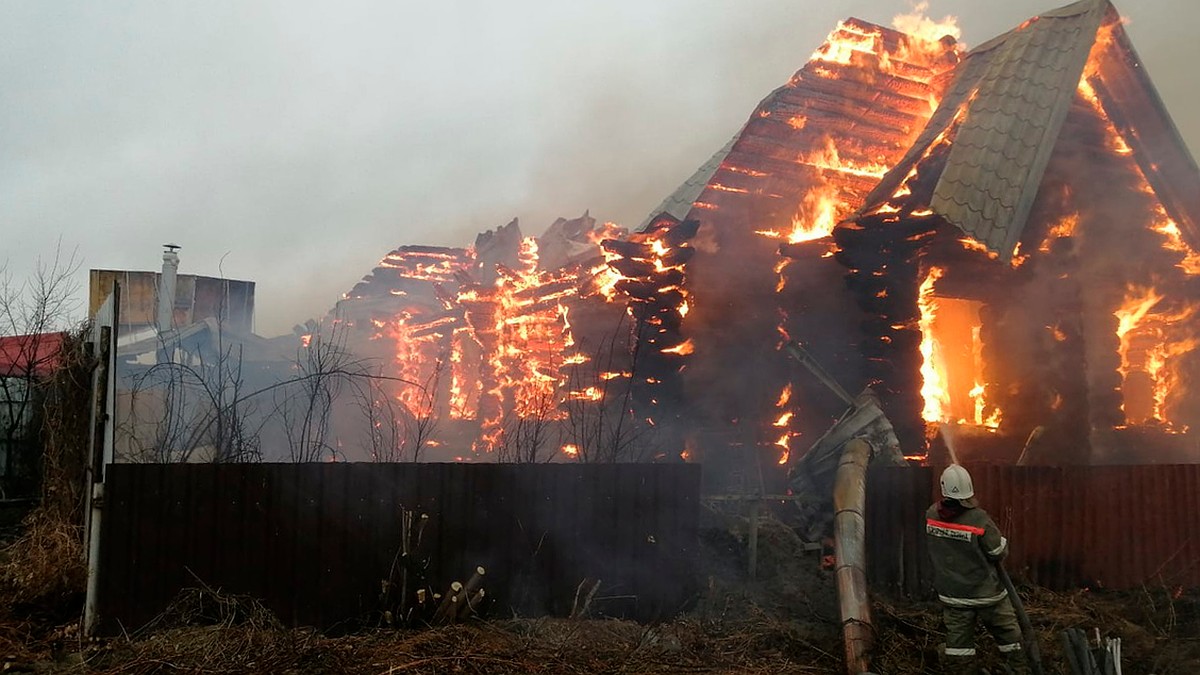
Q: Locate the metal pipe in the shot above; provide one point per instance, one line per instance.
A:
(166, 288)
(849, 502)
(103, 421)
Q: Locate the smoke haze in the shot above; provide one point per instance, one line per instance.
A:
(300, 143)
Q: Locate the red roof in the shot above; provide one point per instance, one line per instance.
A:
(30, 355)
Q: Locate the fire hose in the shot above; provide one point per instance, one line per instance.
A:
(1031, 643)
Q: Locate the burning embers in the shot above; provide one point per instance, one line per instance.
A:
(508, 354)
(846, 157)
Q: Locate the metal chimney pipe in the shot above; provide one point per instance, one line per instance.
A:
(166, 288)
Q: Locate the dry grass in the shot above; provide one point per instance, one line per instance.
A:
(736, 628)
(1159, 629)
(513, 646)
(44, 567)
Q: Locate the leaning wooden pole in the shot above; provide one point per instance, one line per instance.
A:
(849, 502)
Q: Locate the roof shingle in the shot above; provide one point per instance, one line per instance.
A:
(1012, 95)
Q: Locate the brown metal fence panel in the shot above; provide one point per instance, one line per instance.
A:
(895, 522)
(314, 541)
(1115, 527)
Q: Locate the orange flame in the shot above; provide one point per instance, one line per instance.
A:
(846, 41)
(1152, 336)
(933, 389)
(917, 25)
(682, 349)
(1165, 226)
(829, 158)
(817, 215)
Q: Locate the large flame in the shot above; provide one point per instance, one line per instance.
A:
(933, 387)
(846, 41)
(1152, 337)
(829, 158)
(916, 24)
(952, 359)
(1153, 331)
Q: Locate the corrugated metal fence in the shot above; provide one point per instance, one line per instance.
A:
(314, 541)
(1100, 527)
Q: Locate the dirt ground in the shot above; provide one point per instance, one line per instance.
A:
(786, 622)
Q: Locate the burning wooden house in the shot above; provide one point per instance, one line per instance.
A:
(1040, 237)
(997, 240)
(485, 347)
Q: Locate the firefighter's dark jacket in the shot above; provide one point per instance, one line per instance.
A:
(964, 543)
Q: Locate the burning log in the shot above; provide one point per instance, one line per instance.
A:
(648, 291)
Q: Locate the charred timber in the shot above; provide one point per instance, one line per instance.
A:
(635, 254)
(670, 231)
(887, 227)
(824, 94)
(650, 290)
(437, 252)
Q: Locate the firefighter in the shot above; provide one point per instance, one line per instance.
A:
(965, 545)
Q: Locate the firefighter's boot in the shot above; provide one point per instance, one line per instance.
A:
(960, 665)
(1016, 663)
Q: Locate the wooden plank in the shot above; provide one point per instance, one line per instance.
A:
(202, 525)
(914, 494)
(489, 508)
(229, 535)
(360, 541)
(395, 489)
(279, 506)
(292, 532)
(116, 604)
(175, 540)
(256, 559)
(336, 600)
(148, 552)
(641, 543)
(1191, 563)
(430, 496)
(309, 530)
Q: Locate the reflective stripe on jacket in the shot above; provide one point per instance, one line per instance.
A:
(963, 546)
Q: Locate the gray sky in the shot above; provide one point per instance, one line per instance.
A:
(307, 140)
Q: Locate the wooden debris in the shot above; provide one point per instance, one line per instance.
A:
(583, 597)
(1088, 657)
(472, 604)
(448, 609)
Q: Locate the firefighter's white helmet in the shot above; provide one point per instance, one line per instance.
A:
(956, 483)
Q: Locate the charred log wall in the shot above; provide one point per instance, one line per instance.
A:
(884, 258)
